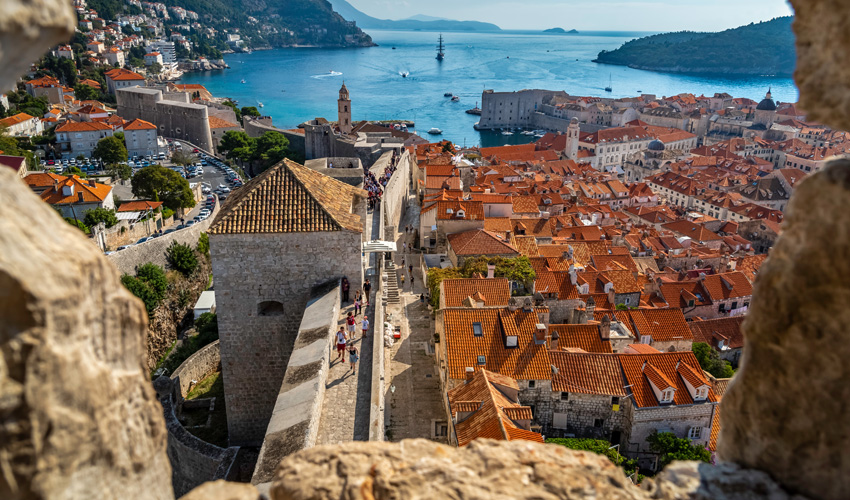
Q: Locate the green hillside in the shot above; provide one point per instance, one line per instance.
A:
(279, 23)
(765, 48)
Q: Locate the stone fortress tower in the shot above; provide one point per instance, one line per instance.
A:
(344, 111)
(288, 230)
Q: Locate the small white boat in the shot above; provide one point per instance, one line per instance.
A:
(527, 132)
(455, 98)
(260, 105)
(243, 80)
(507, 132)
(435, 131)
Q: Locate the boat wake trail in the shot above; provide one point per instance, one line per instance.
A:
(329, 74)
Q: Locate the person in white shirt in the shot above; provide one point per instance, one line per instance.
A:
(341, 338)
(365, 325)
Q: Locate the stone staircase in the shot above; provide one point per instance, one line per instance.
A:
(392, 284)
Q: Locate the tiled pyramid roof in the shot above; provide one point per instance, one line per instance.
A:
(290, 198)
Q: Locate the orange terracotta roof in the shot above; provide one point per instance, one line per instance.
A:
(496, 291)
(290, 198)
(120, 74)
(15, 119)
(557, 283)
(528, 361)
(451, 210)
(715, 430)
(479, 242)
(71, 126)
(583, 336)
(727, 285)
(484, 410)
(661, 368)
(96, 193)
(587, 373)
(663, 325)
(216, 122)
(641, 349)
(712, 331)
(139, 124)
(139, 205)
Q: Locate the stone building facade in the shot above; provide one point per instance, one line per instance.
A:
(290, 229)
(171, 112)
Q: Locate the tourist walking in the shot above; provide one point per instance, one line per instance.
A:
(367, 287)
(364, 325)
(352, 323)
(411, 283)
(346, 286)
(340, 344)
(410, 269)
(352, 358)
(357, 304)
(402, 280)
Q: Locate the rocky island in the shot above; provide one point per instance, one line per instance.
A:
(560, 31)
(765, 48)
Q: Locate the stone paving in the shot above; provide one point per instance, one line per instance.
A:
(345, 409)
(414, 400)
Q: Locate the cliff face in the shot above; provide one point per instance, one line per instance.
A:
(756, 49)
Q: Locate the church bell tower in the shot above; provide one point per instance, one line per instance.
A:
(344, 111)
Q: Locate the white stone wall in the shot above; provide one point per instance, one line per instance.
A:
(255, 349)
(676, 419)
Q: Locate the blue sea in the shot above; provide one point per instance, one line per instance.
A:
(298, 84)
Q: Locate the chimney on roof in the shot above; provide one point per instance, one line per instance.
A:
(470, 374)
(513, 304)
(491, 271)
(55, 185)
(555, 341)
(92, 183)
(605, 328)
(527, 305)
(540, 334)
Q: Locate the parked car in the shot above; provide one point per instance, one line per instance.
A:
(143, 240)
(190, 223)
(169, 231)
(122, 247)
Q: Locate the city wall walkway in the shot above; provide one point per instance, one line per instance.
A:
(346, 406)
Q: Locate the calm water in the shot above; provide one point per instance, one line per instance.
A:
(296, 85)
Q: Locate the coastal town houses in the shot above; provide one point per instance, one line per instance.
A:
(71, 195)
(724, 335)
(141, 139)
(120, 78)
(22, 125)
(80, 138)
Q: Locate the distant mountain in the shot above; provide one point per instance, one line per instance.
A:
(765, 48)
(423, 17)
(420, 22)
(560, 31)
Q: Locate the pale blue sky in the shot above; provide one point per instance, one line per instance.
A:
(599, 15)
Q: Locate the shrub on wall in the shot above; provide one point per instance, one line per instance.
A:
(149, 284)
(182, 258)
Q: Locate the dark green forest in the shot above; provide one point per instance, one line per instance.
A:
(765, 48)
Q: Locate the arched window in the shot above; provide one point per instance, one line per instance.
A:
(270, 308)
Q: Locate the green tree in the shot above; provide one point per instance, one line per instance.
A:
(120, 171)
(670, 448)
(236, 144)
(436, 276)
(85, 92)
(517, 269)
(270, 148)
(163, 184)
(149, 285)
(77, 224)
(600, 447)
(178, 157)
(155, 69)
(69, 71)
(96, 216)
(204, 244)
(709, 360)
(250, 111)
(75, 171)
(110, 150)
(182, 258)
